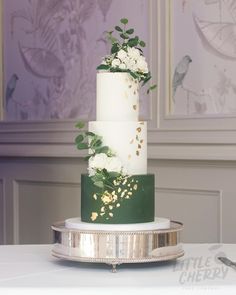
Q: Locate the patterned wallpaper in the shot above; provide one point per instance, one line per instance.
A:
(51, 50)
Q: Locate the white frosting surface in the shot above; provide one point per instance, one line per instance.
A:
(159, 223)
(117, 97)
(128, 140)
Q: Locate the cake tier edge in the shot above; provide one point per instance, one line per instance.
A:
(132, 201)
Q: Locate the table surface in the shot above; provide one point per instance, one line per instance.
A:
(32, 266)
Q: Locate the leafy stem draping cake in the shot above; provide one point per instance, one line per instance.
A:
(117, 188)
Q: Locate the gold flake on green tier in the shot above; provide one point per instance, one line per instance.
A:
(124, 182)
(119, 190)
(111, 214)
(107, 197)
(95, 197)
(94, 216)
(130, 193)
(118, 205)
(128, 185)
(110, 207)
(135, 187)
(115, 198)
(127, 197)
(101, 214)
(122, 194)
(103, 209)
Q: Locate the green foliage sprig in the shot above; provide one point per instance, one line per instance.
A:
(126, 39)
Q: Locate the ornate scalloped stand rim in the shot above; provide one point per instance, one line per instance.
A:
(115, 248)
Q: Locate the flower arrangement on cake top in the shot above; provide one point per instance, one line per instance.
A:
(127, 55)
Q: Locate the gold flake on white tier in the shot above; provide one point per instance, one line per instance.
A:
(128, 140)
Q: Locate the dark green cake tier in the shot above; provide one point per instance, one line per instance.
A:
(130, 201)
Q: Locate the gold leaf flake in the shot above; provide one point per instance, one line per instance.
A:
(103, 209)
(137, 138)
(122, 194)
(139, 129)
(111, 214)
(137, 153)
(141, 140)
(115, 198)
(135, 107)
(94, 216)
(119, 190)
(130, 86)
(141, 123)
(118, 205)
(134, 92)
(124, 182)
(139, 146)
(130, 193)
(127, 197)
(135, 187)
(129, 185)
(110, 207)
(95, 197)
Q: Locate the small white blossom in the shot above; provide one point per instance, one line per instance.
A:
(114, 165)
(122, 66)
(142, 66)
(115, 63)
(98, 161)
(133, 53)
(122, 54)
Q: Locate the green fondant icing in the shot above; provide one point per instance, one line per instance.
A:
(131, 202)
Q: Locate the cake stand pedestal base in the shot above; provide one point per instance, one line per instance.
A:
(117, 247)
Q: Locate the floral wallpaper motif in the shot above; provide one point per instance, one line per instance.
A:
(51, 50)
(204, 56)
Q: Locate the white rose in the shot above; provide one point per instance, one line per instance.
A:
(99, 161)
(133, 53)
(130, 63)
(142, 65)
(122, 66)
(114, 165)
(115, 63)
(121, 54)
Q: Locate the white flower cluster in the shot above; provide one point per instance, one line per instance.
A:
(131, 60)
(102, 161)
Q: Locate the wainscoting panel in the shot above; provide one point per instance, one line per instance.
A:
(43, 203)
(1, 211)
(204, 208)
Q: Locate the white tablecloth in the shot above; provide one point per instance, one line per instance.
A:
(23, 268)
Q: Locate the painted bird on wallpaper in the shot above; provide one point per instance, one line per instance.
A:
(180, 73)
(11, 86)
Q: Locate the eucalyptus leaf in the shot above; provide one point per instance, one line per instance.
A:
(124, 21)
(97, 143)
(124, 36)
(88, 133)
(118, 29)
(130, 31)
(99, 184)
(142, 43)
(132, 42)
(151, 88)
(103, 67)
(79, 138)
(115, 48)
(103, 149)
(80, 125)
(114, 174)
(82, 146)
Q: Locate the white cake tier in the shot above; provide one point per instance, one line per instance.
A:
(159, 223)
(128, 140)
(117, 97)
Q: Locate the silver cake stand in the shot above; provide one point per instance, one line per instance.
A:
(117, 247)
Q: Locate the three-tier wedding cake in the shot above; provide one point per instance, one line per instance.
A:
(130, 199)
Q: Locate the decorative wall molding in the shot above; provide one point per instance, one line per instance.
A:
(16, 199)
(2, 211)
(199, 193)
